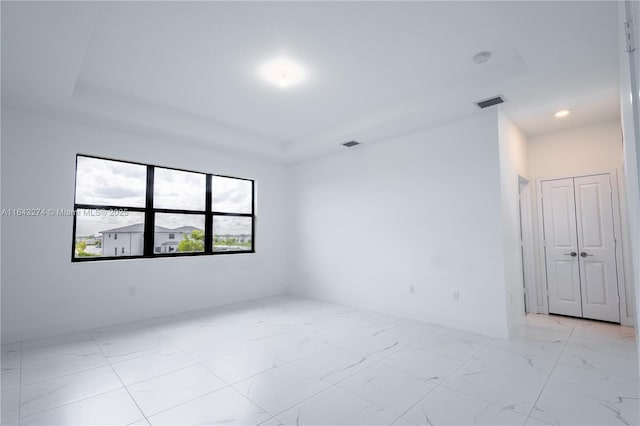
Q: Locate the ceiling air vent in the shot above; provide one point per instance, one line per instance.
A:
(351, 143)
(490, 102)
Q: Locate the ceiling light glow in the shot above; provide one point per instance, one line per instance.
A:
(282, 72)
(562, 113)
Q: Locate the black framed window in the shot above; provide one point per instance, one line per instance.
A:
(129, 210)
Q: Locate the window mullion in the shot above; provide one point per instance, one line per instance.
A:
(149, 216)
(208, 218)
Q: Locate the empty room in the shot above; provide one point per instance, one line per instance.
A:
(320, 213)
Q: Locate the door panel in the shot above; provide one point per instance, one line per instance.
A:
(596, 240)
(559, 222)
(594, 283)
(566, 274)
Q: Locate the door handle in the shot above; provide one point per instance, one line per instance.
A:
(572, 254)
(583, 254)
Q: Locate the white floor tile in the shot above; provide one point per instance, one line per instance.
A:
(281, 388)
(581, 395)
(288, 347)
(243, 364)
(516, 363)
(185, 331)
(75, 344)
(598, 357)
(595, 331)
(403, 333)
(57, 340)
(552, 321)
(141, 422)
(126, 330)
(169, 390)
(333, 364)
(215, 346)
(50, 368)
(334, 333)
(424, 364)
(293, 360)
(371, 347)
(391, 389)
(117, 350)
(151, 365)
(66, 389)
(549, 350)
(225, 406)
(444, 406)
(453, 343)
(495, 387)
(111, 408)
(336, 407)
(559, 405)
(548, 333)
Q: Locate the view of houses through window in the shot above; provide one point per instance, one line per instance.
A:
(116, 202)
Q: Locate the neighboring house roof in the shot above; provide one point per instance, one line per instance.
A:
(139, 227)
(187, 229)
(170, 243)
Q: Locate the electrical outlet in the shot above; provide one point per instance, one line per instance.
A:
(132, 291)
(412, 289)
(456, 295)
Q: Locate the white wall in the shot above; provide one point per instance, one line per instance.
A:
(513, 163)
(419, 210)
(44, 293)
(630, 112)
(583, 150)
(597, 147)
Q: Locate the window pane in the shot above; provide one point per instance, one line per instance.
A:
(178, 233)
(111, 183)
(231, 195)
(109, 233)
(174, 189)
(232, 233)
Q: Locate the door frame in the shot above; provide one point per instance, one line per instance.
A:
(542, 267)
(527, 243)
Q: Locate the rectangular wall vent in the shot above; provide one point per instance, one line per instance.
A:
(490, 102)
(351, 143)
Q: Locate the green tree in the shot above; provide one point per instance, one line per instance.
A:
(193, 242)
(81, 247)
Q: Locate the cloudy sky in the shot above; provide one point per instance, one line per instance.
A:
(123, 184)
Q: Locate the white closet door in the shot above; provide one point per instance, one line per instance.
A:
(596, 242)
(561, 251)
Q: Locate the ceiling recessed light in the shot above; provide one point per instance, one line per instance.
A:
(282, 72)
(481, 57)
(562, 113)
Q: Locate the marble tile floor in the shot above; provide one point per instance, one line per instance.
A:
(288, 360)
